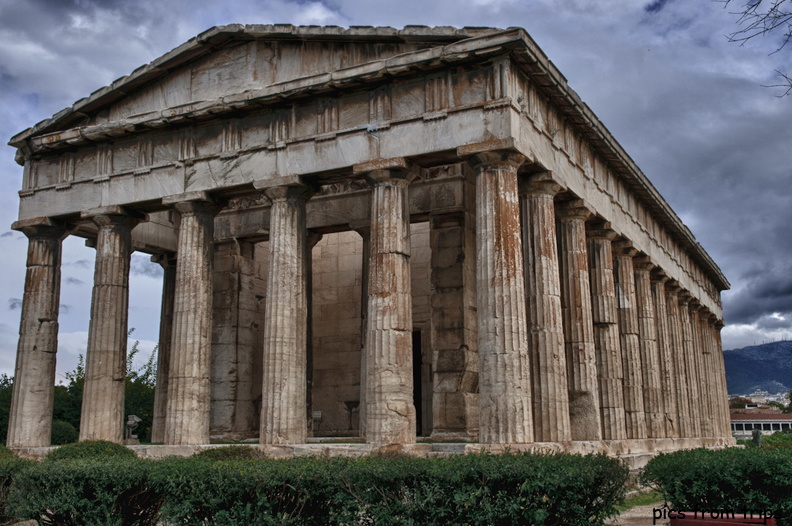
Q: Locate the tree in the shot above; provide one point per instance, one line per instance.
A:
(761, 18)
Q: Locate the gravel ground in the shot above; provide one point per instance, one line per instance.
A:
(637, 516)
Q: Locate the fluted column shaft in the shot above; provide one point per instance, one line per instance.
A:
(390, 413)
(189, 393)
(720, 372)
(665, 348)
(283, 419)
(709, 416)
(629, 340)
(581, 359)
(650, 358)
(504, 367)
(606, 334)
(680, 364)
(102, 415)
(365, 234)
(688, 343)
(545, 321)
(168, 264)
(30, 416)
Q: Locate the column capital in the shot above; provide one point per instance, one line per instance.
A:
(602, 231)
(40, 227)
(108, 216)
(658, 275)
(165, 260)
(395, 164)
(672, 287)
(281, 193)
(685, 297)
(577, 209)
(541, 183)
(489, 159)
(624, 248)
(719, 324)
(642, 263)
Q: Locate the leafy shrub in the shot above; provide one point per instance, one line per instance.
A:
(63, 433)
(777, 441)
(230, 453)
(476, 489)
(10, 467)
(79, 491)
(90, 449)
(732, 479)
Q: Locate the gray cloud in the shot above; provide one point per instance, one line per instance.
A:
(14, 303)
(74, 281)
(142, 266)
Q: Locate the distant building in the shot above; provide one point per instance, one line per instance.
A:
(743, 424)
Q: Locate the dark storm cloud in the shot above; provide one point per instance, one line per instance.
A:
(655, 6)
(763, 292)
(74, 281)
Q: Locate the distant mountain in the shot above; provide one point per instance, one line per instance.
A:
(767, 367)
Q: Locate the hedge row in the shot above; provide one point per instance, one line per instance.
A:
(733, 480)
(462, 490)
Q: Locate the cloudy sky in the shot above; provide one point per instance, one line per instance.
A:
(686, 104)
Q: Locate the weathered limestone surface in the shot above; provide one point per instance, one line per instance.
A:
(238, 285)
(679, 363)
(650, 357)
(581, 359)
(283, 419)
(720, 372)
(707, 414)
(168, 262)
(30, 417)
(689, 354)
(390, 413)
(665, 346)
(545, 321)
(605, 316)
(504, 366)
(629, 339)
(102, 414)
(189, 392)
(455, 404)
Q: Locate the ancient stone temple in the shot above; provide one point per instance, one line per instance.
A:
(373, 233)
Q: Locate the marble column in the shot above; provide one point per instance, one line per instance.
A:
(581, 360)
(665, 349)
(689, 351)
(283, 419)
(709, 411)
(168, 263)
(650, 358)
(189, 392)
(679, 363)
(102, 415)
(545, 321)
(390, 413)
(30, 415)
(606, 333)
(629, 339)
(720, 373)
(504, 366)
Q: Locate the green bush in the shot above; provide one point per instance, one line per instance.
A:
(10, 467)
(476, 489)
(777, 441)
(733, 479)
(63, 433)
(79, 491)
(230, 453)
(90, 449)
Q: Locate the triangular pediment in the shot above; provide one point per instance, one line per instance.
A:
(236, 59)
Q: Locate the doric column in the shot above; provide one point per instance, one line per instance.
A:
(545, 321)
(606, 333)
(581, 360)
(629, 339)
(30, 417)
(504, 367)
(189, 390)
(706, 374)
(390, 413)
(455, 406)
(283, 419)
(102, 415)
(720, 373)
(311, 240)
(650, 358)
(168, 263)
(665, 349)
(678, 352)
(689, 351)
